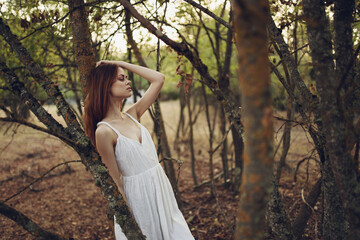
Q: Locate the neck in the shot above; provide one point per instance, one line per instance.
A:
(114, 109)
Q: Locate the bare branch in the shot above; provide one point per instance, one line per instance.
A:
(232, 111)
(36, 127)
(18, 88)
(39, 75)
(208, 12)
(27, 223)
(38, 179)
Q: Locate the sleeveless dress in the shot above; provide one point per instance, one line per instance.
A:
(147, 189)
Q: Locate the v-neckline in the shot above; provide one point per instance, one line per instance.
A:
(141, 130)
(138, 142)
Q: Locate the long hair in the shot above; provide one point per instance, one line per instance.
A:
(96, 103)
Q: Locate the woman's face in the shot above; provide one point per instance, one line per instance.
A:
(121, 86)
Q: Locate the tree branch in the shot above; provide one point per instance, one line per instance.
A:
(36, 127)
(39, 75)
(38, 179)
(208, 12)
(18, 88)
(27, 223)
(232, 111)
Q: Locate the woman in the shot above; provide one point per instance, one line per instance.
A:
(126, 148)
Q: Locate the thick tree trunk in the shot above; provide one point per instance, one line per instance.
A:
(334, 219)
(277, 220)
(84, 52)
(250, 18)
(332, 114)
(345, 74)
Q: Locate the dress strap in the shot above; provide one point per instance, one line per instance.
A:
(136, 121)
(108, 124)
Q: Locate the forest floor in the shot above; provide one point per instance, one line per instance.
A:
(68, 203)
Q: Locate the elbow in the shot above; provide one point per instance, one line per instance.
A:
(162, 78)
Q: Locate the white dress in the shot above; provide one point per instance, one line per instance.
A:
(147, 189)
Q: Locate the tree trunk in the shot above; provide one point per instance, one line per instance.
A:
(345, 74)
(191, 138)
(211, 138)
(306, 210)
(250, 18)
(286, 139)
(85, 59)
(224, 149)
(277, 219)
(239, 161)
(332, 111)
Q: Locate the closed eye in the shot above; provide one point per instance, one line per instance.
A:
(122, 77)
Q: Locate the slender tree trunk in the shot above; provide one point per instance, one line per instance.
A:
(180, 127)
(191, 138)
(239, 161)
(250, 18)
(224, 149)
(286, 139)
(211, 136)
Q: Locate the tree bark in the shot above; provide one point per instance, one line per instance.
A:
(333, 118)
(84, 52)
(250, 18)
(277, 219)
(191, 137)
(305, 211)
(345, 74)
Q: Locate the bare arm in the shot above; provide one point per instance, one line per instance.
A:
(104, 145)
(156, 80)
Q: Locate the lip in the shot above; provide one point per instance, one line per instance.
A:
(129, 89)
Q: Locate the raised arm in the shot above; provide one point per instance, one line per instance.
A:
(156, 80)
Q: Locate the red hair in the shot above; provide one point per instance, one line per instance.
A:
(96, 103)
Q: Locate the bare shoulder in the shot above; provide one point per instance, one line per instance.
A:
(104, 134)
